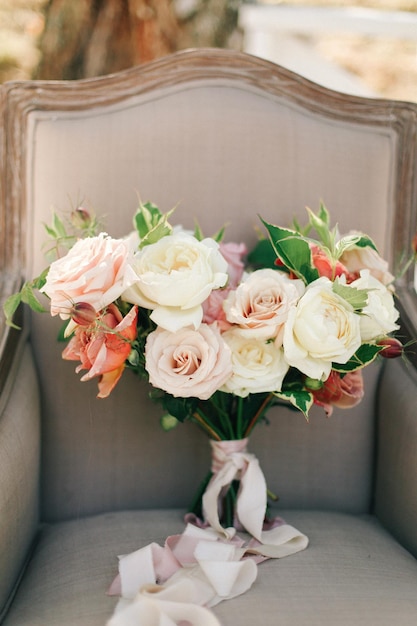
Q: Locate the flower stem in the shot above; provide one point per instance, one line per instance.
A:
(258, 414)
(207, 427)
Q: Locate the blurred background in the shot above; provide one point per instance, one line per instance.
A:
(367, 47)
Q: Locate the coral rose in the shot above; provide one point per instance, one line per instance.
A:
(92, 272)
(189, 362)
(343, 392)
(103, 347)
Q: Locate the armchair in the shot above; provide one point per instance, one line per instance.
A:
(82, 480)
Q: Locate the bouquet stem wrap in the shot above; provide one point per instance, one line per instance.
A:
(230, 462)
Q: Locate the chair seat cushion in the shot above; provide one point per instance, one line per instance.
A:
(353, 573)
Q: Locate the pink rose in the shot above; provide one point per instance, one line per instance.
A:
(233, 253)
(213, 306)
(343, 392)
(103, 347)
(92, 272)
(188, 363)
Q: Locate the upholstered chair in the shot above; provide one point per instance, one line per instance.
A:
(226, 137)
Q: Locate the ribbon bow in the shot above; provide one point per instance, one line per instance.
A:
(231, 461)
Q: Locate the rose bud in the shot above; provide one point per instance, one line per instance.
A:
(81, 218)
(83, 314)
(392, 348)
(312, 384)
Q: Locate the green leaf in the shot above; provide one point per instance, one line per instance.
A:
(357, 298)
(59, 227)
(151, 224)
(10, 307)
(29, 298)
(363, 356)
(293, 250)
(354, 241)
(301, 400)
(262, 255)
(180, 408)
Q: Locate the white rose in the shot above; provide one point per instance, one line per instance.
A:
(379, 315)
(323, 328)
(92, 272)
(258, 365)
(358, 258)
(174, 276)
(260, 304)
(188, 363)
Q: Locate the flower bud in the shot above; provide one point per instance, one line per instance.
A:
(392, 348)
(81, 218)
(312, 384)
(83, 314)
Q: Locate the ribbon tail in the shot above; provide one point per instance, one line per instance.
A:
(221, 479)
(252, 498)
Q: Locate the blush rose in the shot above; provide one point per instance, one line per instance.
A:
(92, 272)
(259, 306)
(189, 362)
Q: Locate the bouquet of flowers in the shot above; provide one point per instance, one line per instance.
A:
(222, 335)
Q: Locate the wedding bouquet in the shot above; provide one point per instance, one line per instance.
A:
(222, 335)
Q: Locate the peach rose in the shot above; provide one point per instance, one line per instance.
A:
(260, 304)
(92, 272)
(358, 258)
(103, 347)
(188, 363)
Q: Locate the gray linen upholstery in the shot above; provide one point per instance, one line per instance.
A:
(227, 136)
(353, 573)
(395, 492)
(19, 470)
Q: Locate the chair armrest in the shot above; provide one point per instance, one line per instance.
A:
(396, 471)
(19, 462)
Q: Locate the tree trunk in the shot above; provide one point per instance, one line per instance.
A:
(85, 38)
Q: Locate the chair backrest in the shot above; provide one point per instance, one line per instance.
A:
(227, 136)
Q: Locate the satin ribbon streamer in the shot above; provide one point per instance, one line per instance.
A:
(179, 582)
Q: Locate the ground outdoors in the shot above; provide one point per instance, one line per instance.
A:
(386, 65)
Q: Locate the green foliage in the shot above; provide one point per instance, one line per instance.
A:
(357, 298)
(151, 224)
(293, 250)
(365, 354)
(300, 399)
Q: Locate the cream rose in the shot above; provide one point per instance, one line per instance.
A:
(358, 258)
(188, 363)
(92, 272)
(379, 315)
(258, 365)
(322, 328)
(260, 304)
(174, 276)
